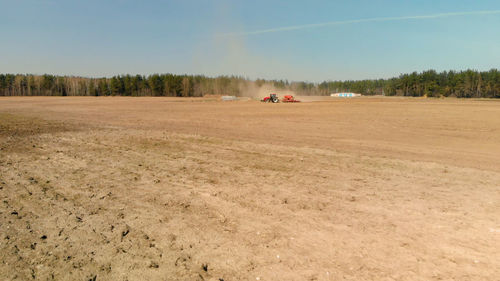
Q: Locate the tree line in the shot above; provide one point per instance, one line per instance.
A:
(463, 84)
(122, 85)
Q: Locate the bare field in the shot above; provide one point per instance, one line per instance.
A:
(196, 189)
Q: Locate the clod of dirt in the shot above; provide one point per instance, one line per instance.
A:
(154, 265)
(33, 246)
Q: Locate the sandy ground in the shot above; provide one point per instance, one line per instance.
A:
(194, 189)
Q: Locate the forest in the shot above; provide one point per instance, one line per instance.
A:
(463, 84)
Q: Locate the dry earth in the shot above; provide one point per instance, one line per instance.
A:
(195, 189)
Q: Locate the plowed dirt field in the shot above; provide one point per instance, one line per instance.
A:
(115, 188)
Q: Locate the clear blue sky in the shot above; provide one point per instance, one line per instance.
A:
(104, 38)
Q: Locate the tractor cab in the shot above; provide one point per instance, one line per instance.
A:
(271, 98)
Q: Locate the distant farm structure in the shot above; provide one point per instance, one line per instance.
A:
(229, 98)
(345, 95)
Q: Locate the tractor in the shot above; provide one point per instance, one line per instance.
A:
(272, 98)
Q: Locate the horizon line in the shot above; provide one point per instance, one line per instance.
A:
(247, 78)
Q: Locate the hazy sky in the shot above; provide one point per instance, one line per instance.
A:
(295, 40)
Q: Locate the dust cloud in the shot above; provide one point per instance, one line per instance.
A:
(235, 56)
(252, 89)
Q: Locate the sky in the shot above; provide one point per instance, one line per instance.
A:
(295, 40)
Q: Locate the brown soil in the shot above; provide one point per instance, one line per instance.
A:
(196, 189)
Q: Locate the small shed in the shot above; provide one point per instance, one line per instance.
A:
(229, 98)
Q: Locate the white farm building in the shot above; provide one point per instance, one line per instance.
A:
(345, 95)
